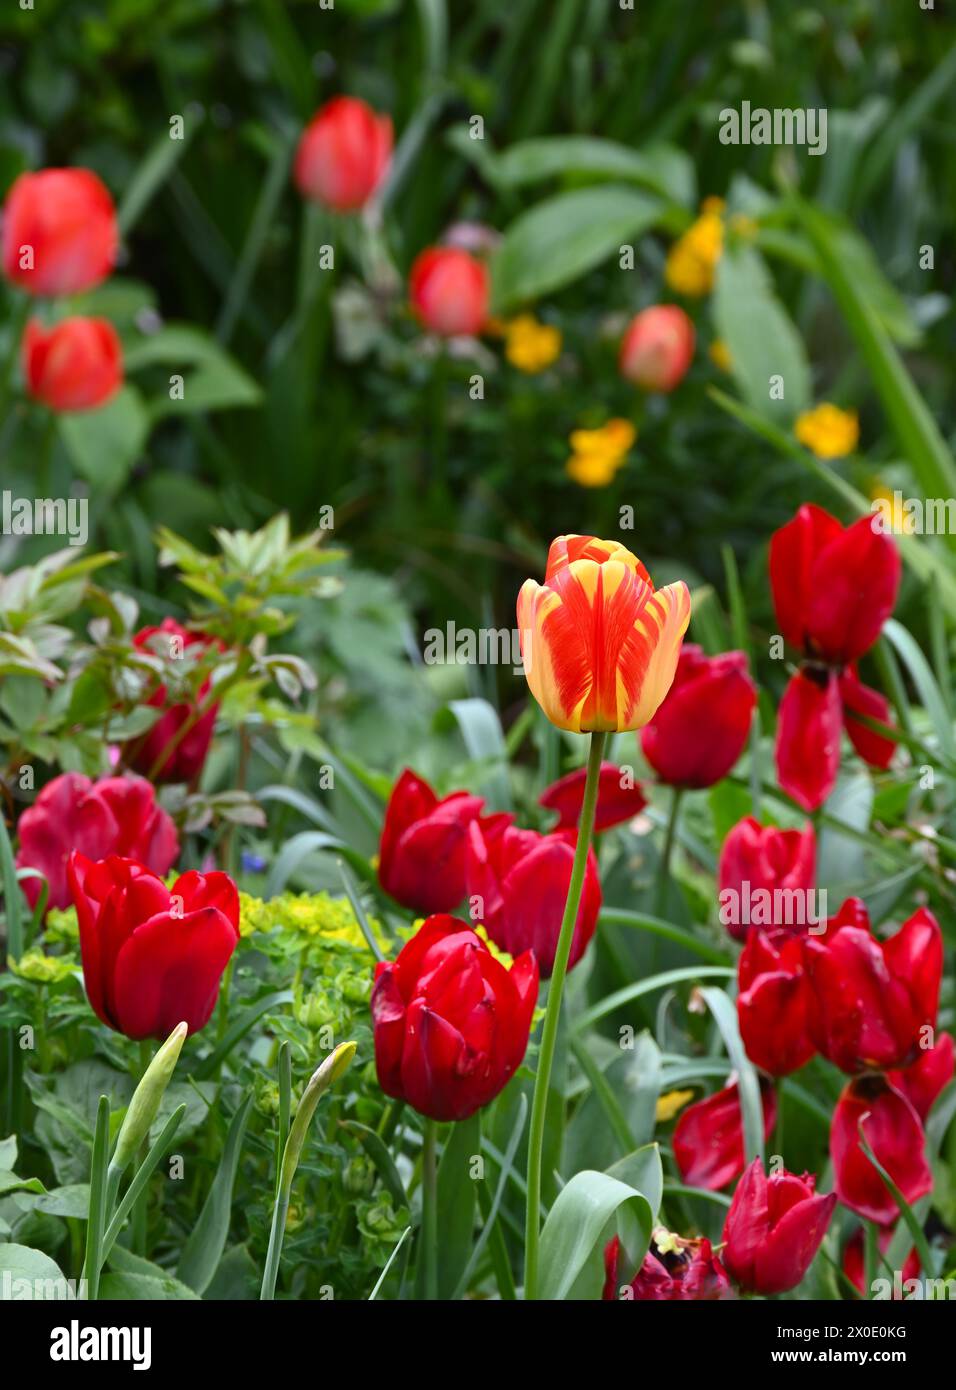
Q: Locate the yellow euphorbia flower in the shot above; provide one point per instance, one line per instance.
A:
(828, 431)
(719, 354)
(530, 345)
(693, 258)
(598, 454)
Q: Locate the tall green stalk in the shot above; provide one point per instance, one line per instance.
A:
(430, 1209)
(549, 1035)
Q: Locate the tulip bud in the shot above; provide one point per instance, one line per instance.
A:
(60, 234)
(335, 1066)
(774, 1229)
(75, 365)
(343, 154)
(147, 1097)
(422, 849)
(658, 348)
(449, 291)
(702, 725)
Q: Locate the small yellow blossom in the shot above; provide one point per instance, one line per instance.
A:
(828, 431)
(693, 258)
(668, 1105)
(894, 508)
(719, 354)
(43, 969)
(530, 345)
(598, 454)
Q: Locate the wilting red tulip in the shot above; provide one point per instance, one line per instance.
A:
(620, 798)
(894, 1133)
(872, 1001)
(599, 645)
(858, 698)
(703, 723)
(774, 1229)
(808, 737)
(343, 154)
(674, 1271)
(922, 1081)
(187, 753)
(833, 587)
(114, 815)
(708, 1138)
(75, 365)
(780, 865)
(657, 348)
(772, 1003)
(518, 885)
(854, 1266)
(59, 232)
(451, 1023)
(449, 291)
(422, 853)
(152, 956)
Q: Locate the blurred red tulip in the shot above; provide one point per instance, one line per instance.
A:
(519, 881)
(809, 724)
(922, 1081)
(686, 1271)
(854, 1262)
(450, 291)
(75, 365)
(860, 699)
(703, 723)
(152, 956)
(186, 759)
(772, 1003)
(114, 815)
(774, 1229)
(870, 1001)
(658, 348)
(894, 1133)
(620, 798)
(422, 852)
(343, 154)
(59, 232)
(833, 587)
(451, 1023)
(761, 859)
(708, 1139)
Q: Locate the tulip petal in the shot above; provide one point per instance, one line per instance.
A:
(808, 739)
(169, 970)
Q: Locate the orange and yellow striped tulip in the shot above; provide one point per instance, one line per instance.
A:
(599, 644)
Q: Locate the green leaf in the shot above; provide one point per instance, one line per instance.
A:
(663, 169)
(760, 335)
(132, 1277)
(919, 668)
(35, 1269)
(643, 1171)
(207, 1239)
(9, 1182)
(579, 1225)
(748, 1084)
(481, 732)
(105, 444)
(456, 1202)
(212, 379)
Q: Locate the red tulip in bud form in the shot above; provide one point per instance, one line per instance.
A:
(518, 885)
(833, 587)
(451, 1023)
(674, 1271)
(809, 724)
(774, 1229)
(894, 1133)
(59, 232)
(343, 154)
(75, 365)
(186, 755)
(152, 956)
(702, 726)
(449, 291)
(772, 1003)
(854, 1264)
(780, 865)
(872, 1003)
(658, 348)
(709, 1137)
(114, 815)
(422, 851)
(860, 699)
(620, 798)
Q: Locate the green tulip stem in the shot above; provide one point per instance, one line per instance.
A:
(549, 1034)
(430, 1208)
(667, 853)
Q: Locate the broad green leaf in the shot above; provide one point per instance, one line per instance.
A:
(760, 335)
(456, 1202)
(207, 1239)
(105, 444)
(748, 1083)
(481, 732)
(580, 1222)
(642, 1170)
(41, 1277)
(663, 169)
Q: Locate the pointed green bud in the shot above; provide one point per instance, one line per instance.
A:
(335, 1066)
(147, 1098)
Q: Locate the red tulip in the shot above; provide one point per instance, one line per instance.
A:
(702, 726)
(658, 348)
(449, 291)
(772, 1003)
(422, 852)
(858, 698)
(708, 1138)
(774, 1229)
(854, 1261)
(685, 1271)
(620, 798)
(895, 1135)
(152, 956)
(922, 1081)
(808, 737)
(870, 1001)
(343, 154)
(780, 865)
(60, 234)
(75, 365)
(114, 815)
(186, 759)
(833, 587)
(451, 1023)
(520, 880)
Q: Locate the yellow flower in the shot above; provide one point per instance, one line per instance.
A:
(719, 354)
(713, 204)
(598, 454)
(828, 431)
(531, 346)
(879, 493)
(669, 1104)
(693, 258)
